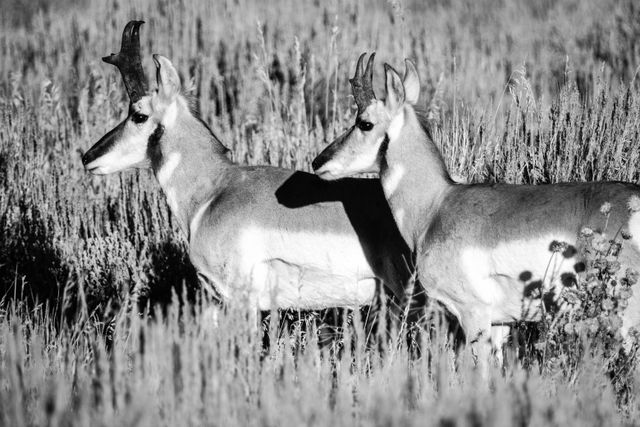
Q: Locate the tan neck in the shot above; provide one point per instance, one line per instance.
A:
(190, 168)
(413, 175)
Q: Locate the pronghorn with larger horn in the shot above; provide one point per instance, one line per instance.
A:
(478, 247)
(281, 238)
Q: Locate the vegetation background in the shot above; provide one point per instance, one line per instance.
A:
(517, 91)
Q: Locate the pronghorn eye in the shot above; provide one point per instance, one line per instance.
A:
(364, 125)
(139, 118)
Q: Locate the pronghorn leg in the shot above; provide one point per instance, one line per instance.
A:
(482, 350)
(477, 327)
(211, 301)
(499, 337)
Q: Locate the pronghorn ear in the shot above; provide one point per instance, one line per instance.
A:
(167, 77)
(411, 82)
(394, 87)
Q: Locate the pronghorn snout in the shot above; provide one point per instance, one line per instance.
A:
(319, 161)
(97, 159)
(326, 165)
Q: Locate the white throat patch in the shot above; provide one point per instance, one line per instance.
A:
(168, 168)
(392, 179)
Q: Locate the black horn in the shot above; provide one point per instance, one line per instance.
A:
(362, 83)
(129, 62)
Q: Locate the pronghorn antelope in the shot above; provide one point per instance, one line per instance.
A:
(478, 248)
(281, 238)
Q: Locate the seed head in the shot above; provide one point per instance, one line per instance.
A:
(557, 246)
(586, 232)
(613, 267)
(632, 276)
(634, 203)
(624, 294)
(607, 304)
(616, 322)
(605, 208)
(601, 243)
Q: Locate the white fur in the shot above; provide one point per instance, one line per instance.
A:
(172, 200)
(634, 228)
(170, 115)
(124, 154)
(494, 274)
(392, 180)
(336, 168)
(197, 217)
(167, 169)
(398, 215)
(164, 175)
(396, 125)
(331, 170)
(285, 273)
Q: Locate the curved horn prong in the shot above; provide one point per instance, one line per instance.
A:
(360, 66)
(129, 62)
(361, 83)
(367, 79)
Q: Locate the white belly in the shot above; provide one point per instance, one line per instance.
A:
(305, 270)
(498, 277)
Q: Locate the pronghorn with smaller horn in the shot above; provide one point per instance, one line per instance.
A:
(478, 247)
(281, 238)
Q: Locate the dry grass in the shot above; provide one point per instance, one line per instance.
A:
(517, 91)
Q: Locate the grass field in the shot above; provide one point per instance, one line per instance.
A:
(517, 91)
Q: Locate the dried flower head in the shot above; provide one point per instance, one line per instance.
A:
(605, 208)
(586, 232)
(616, 322)
(571, 297)
(607, 304)
(557, 246)
(632, 276)
(613, 267)
(634, 203)
(601, 243)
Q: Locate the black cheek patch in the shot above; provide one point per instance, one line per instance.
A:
(154, 152)
(384, 146)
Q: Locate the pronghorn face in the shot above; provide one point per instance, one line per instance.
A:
(357, 150)
(362, 148)
(134, 141)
